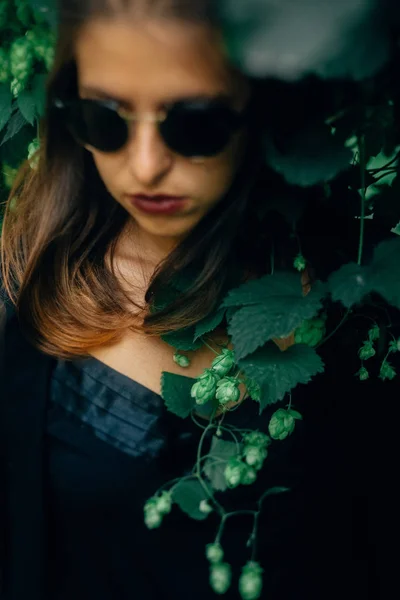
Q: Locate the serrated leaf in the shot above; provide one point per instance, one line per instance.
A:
(349, 284)
(220, 452)
(277, 317)
(15, 124)
(278, 372)
(258, 290)
(188, 494)
(39, 93)
(183, 339)
(395, 229)
(27, 106)
(209, 323)
(5, 105)
(384, 271)
(175, 391)
(311, 156)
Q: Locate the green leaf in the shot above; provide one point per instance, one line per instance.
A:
(39, 93)
(276, 317)
(220, 452)
(384, 271)
(183, 339)
(27, 106)
(209, 323)
(5, 104)
(188, 494)
(175, 390)
(259, 290)
(349, 284)
(312, 156)
(395, 230)
(278, 372)
(15, 124)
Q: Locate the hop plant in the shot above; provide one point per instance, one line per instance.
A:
(248, 476)
(181, 360)
(24, 12)
(228, 390)
(5, 72)
(32, 149)
(16, 87)
(310, 332)
(214, 552)
(282, 423)
(363, 374)
(366, 351)
(250, 581)
(255, 456)
(205, 387)
(3, 13)
(387, 371)
(156, 508)
(257, 438)
(9, 175)
(223, 363)
(220, 577)
(205, 507)
(21, 60)
(43, 41)
(234, 472)
(299, 262)
(164, 503)
(374, 333)
(253, 389)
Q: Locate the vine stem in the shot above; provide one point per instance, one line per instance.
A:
(361, 148)
(198, 473)
(346, 314)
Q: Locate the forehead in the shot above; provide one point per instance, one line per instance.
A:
(148, 61)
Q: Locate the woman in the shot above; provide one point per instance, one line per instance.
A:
(106, 222)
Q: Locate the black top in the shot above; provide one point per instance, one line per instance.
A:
(111, 443)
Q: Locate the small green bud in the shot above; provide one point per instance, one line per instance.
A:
(363, 374)
(206, 386)
(214, 552)
(233, 472)
(181, 360)
(250, 581)
(164, 503)
(393, 346)
(205, 508)
(299, 262)
(310, 331)
(387, 371)
(366, 351)
(223, 363)
(152, 517)
(255, 456)
(257, 438)
(220, 577)
(228, 390)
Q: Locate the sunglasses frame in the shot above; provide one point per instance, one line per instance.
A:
(238, 118)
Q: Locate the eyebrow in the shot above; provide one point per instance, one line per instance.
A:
(219, 96)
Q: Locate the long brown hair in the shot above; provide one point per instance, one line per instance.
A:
(60, 221)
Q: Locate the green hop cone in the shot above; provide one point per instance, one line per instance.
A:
(16, 87)
(250, 581)
(223, 363)
(43, 41)
(233, 472)
(299, 262)
(163, 503)
(181, 360)
(253, 389)
(366, 351)
(9, 175)
(374, 333)
(255, 456)
(393, 346)
(220, 577)
(282, 423)
(228, 390)
(387, 371)
(214, 553)
(249, 475)
(5, 72)
(21, 59)
(206, 386)
(32, 149)
(152, 516)
(363, 374)
(205, 507)
(257, 438)
(310, 331)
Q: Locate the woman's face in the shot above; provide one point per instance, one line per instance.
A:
(145, 65)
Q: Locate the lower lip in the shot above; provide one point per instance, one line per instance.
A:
(158, 207)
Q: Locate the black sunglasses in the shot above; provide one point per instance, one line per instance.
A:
(189, 127)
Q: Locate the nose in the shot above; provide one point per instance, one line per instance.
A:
(149, 158)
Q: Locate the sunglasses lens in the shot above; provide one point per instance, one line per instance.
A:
(97, 126)
(196, 129)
